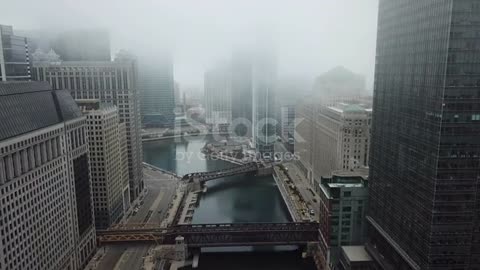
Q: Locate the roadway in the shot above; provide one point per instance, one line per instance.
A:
(152, 208)
(305, 189)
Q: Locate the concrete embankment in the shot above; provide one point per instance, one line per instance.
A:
(286, 197)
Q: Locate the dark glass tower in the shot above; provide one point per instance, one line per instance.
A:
(424, 202)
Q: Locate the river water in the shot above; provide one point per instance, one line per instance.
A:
(234, 199)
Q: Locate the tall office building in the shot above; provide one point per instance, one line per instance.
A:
(424, 203)
(14, 56)
(343, 204)
(264, 123)
(339, 85)
(242, 95)
(46, 219)
(218, 102)
(82, 45)
(157, 86)
(112, 82)
(106, 161)
(331, 138)
(287, 125)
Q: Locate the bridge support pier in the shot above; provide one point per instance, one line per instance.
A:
(181, 251)
(195, 186)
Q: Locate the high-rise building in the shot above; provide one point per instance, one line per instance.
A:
(287, 125)
(106, 161)
(157, 86)
(46, 208)
(241, 94)
(218, 103)
(264, 123)
(339, 85)
(331, 138)
(14, 56)
(82, 45)
(424, 203)
(113, 82)
(343, 204)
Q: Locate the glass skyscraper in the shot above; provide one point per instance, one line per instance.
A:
(424, 202)
(14, 56)
(157, 88)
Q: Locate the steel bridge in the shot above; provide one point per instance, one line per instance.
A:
(215, 235)
(203, 177)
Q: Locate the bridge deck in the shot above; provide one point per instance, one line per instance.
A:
(216, 235)
(207, 176)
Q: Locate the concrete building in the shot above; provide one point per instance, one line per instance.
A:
(157, 86)
(112, 82)
(106, 161)
(218, 102)
(339, 85)
(14, 56)
(242, 95)
(343, 205)
(331, 138)
(424, 204)
(287, 126)
(46, 219)
(354, 258)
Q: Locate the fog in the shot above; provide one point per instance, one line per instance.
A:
(309, 37)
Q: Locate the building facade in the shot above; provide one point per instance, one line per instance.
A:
(157, 85)
(339, 85)
(424, 204)
(106, 161)
(343, 205)
(264, 123)
(330, 138)
(218, 102)
(14, 56)
(110, 82)
(242, 95)
(46, 214)
(287, 123)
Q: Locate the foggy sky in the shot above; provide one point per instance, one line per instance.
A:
(309, 36)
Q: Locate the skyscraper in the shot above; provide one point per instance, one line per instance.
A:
(14, 56)
(264, 123)
(218, 102)
(424, 202)
(113, 82)
(46, 210)
(107, 165)
(157, 86)
(241, 76)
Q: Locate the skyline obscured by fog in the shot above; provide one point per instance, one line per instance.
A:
(309, 37)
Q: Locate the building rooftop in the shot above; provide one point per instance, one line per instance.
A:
(29, 106)
(343, 179)
(356, 253)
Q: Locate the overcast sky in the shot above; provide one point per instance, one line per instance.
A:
(309, 36)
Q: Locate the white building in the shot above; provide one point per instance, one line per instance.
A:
(46, 214)
(111, 82)
(332, 138)
(218, 102)
(106, 161)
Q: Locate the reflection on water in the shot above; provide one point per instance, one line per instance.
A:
(236, 199)
(240, 198)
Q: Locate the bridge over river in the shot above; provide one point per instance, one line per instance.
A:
(215, 235)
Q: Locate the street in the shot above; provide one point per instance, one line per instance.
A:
(152, 208)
